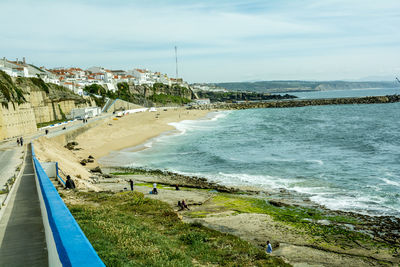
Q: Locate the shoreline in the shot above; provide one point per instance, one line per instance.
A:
(226, 209)
(300, 231)
(148, 125)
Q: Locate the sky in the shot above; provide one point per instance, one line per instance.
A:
(217, 40)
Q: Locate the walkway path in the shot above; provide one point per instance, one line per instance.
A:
(10, 158)
(22, 237)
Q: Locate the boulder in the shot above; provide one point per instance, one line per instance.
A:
(96, 169)
(277, 203)
(71, 145)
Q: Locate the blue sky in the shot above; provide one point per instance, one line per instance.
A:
(217, 40)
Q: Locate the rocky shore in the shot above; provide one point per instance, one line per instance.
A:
(359, 240)
(303, 102)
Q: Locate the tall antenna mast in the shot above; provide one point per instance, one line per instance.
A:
(176, 61)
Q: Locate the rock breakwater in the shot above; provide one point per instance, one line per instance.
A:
(303, 102)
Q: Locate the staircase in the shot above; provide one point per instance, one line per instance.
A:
(57, 184)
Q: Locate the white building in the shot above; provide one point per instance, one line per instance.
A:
(202, 101)
(142, 76)
(96, 69)
(85, 113)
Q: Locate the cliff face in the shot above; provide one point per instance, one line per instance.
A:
(49, 101)
(159, 88)
(28, 101)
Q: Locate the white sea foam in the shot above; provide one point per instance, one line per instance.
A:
(148, 144)
(319, 162)
(390, 182)
(202, 124)
(361, 204)
(219, 115)
(265, 181)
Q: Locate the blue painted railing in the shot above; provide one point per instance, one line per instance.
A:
(58, 175)
(73, 248)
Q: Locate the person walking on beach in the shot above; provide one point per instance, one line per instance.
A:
(18, 141)
(21, 140)
(69, 184)
(131, 184)
(269, 248)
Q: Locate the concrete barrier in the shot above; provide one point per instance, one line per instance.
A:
(67, 245)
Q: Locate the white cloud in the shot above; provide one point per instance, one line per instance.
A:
(255, 37)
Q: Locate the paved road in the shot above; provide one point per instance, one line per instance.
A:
(10, 158)
(22, 236)
(10, 153)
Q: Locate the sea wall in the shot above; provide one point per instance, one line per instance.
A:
(16, 120)
(302, 102)
(71, 135)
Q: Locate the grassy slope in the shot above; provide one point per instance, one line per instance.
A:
(127, 229)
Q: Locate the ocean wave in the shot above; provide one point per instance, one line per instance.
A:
(390, 182)
(219, 115)
(370, 205)
(265, 181)
(201, 124)
(319, 162)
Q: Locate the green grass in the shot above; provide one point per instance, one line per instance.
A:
(127, 229)
(3, 191)
(44, 124)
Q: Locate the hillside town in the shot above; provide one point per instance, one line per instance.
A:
(76, 79)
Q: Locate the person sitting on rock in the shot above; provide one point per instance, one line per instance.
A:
(155, 191)
(181, 207)
(69, 184)
(185, 206)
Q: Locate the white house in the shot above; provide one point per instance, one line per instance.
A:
(84, 113)
(202, 101)
(143, 76)
(96, 69)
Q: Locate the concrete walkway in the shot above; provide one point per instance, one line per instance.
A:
(10, 158)
(22, 237)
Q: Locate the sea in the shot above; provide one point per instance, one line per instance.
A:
(345, 157)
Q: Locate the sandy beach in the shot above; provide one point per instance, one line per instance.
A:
(110, 135)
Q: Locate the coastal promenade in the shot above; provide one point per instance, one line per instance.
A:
(22, 234)
(22, 237)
